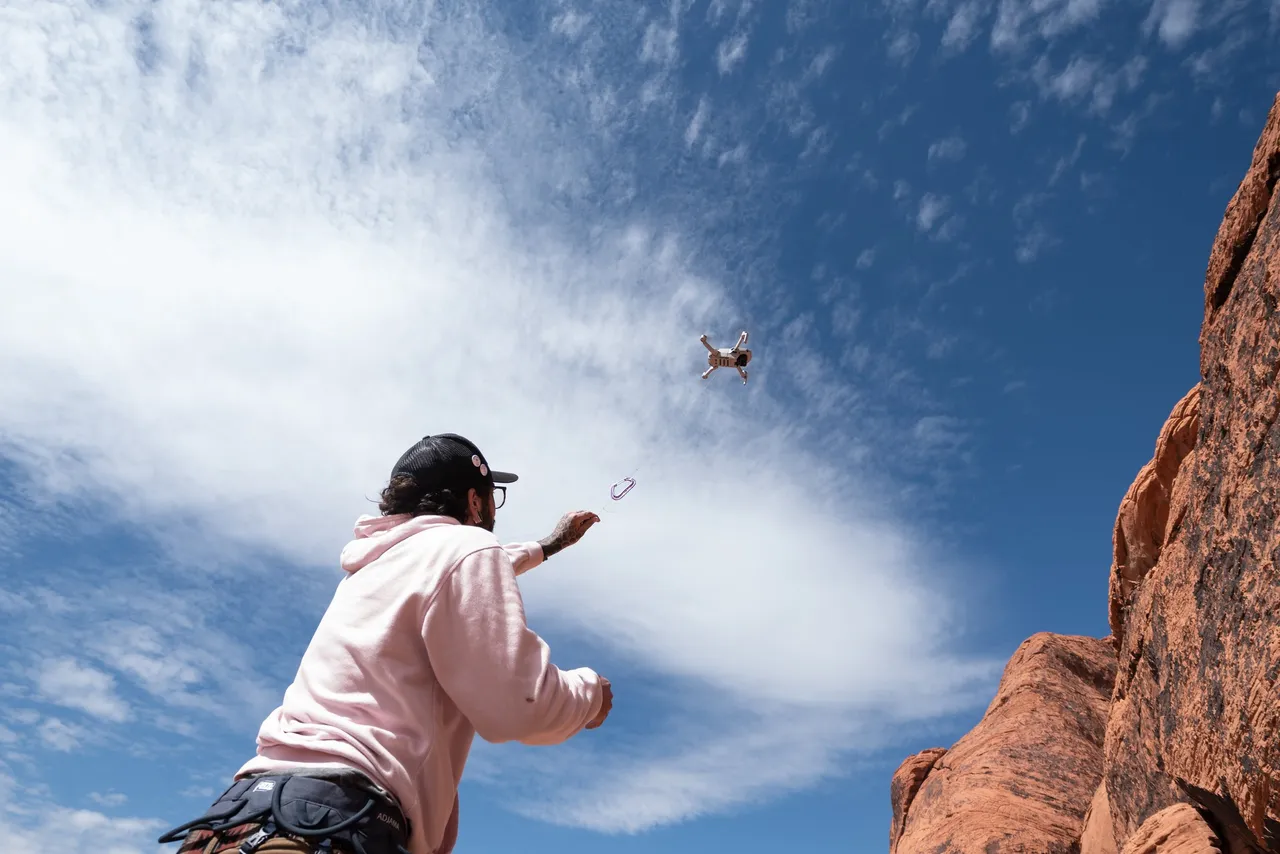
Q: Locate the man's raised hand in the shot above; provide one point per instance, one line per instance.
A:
(569, 530)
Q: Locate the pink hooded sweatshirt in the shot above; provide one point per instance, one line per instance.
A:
(423, 647)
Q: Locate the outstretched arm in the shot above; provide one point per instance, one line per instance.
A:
(494, 667)
(707, 344)
(524, 556)
(742, 340)
(570, 529)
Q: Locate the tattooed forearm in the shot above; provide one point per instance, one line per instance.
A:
(568, 532)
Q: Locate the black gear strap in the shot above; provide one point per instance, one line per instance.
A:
(308, 807)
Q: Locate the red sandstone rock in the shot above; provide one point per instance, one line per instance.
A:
(1178, 829)
(1022, 779)
(906, 782)
(1136, 787)
(1242, 221)
(1144, 512)
(1196, 695)
(1098, 836)
(1195, 615)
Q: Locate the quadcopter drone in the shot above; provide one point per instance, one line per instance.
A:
(736, 356)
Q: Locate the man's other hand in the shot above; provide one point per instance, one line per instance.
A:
(606, 705)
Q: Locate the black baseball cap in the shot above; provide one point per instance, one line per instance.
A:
(448, 460)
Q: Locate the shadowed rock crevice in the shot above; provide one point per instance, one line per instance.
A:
(1245, 213)
(906, 784)
(1143, 521)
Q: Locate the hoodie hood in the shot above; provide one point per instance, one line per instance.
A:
(375, 534)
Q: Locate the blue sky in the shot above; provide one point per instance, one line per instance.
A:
(250, 253)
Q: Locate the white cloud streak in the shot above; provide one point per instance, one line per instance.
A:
(57, 734)
(1174, 21)
(952, 148)
(1018, 23)
(1088, 80)
(76, 686)
(902, 46)
(962, 27)
(696, 124)
(932, 208)
(249, 253)
(731, 53)
(30, 821)
(167, 648)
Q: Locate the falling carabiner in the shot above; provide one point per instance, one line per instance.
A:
(613, 490)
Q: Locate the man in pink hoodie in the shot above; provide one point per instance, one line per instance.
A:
(423, 647)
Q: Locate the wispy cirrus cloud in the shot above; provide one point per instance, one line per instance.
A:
(731, 52)
(696, 124)
(31, 820)
(1044, 46)
(1033, 234)
(901, 46)
(1066, 162)
(932, 208)
(59, 735)
(1174, 21)
(66, 682)
(1088, 81)
(964, 24)
(951, 148)
(135, 657)
(300, 245)
(1017, 25)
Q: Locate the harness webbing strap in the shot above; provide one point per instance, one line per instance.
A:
(312, 808)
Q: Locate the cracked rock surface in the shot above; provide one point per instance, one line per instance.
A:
(1201, 653)
(1022, 779)
(1163, 738)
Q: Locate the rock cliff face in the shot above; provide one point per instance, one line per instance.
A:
(1178, 829)
(1143, 520)
(1022, 779)
(1165, 737)
(906, 783)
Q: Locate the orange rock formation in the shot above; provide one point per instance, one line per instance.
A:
(1165, 737)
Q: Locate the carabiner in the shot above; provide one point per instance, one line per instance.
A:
(613, 490)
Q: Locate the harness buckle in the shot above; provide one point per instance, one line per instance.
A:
(260, 836)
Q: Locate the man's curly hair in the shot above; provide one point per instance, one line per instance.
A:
(404, 495)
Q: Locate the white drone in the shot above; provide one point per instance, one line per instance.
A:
(736, 356)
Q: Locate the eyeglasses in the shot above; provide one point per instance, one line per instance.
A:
(499, 496)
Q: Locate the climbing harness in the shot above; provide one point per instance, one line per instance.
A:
(376, 827)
